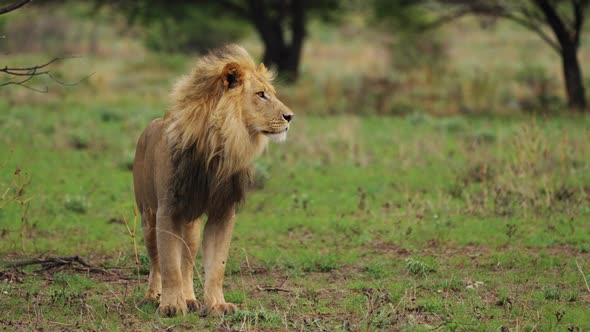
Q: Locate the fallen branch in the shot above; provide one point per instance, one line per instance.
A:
(271, 289)
(59, 262)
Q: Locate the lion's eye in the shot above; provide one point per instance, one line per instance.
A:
(261, 94)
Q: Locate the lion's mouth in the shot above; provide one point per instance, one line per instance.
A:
(277, 136)
(268, 132)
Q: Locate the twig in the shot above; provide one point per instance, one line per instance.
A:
(271, 289)
(14, 6)
(284, 282)
(38, 70)
(133, 236)
(583, 275)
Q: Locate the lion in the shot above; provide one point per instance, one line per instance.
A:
(196, 161)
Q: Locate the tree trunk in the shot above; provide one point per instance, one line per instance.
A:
(280, 54)
(569, 42)
(572, 75)
(293, 58)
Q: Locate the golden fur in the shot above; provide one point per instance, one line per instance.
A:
(195, 161)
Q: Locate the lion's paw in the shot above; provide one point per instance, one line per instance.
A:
(172, 309)
(151, 298)
(221, 309)
(193, 305)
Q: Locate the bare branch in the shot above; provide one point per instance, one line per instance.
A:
(22, 83)
(579, 7)
(535, 28)
(69, 83)
(36, 66)
(13, 6)
(529, 20)
(34, 71)
(446, 19)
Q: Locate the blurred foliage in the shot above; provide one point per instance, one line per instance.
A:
(402, 15)
(198, 25)
(540, 86)
(558, 23)
(413, 46)
(192, 30)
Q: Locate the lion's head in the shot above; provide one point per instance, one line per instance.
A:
(262, 112)
(226, 108)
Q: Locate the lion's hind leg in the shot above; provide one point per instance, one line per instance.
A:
(148, 221)
(190, 236)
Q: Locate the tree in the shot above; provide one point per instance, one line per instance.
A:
(564, 18)
(281, 24)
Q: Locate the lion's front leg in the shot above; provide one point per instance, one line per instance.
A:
(170, 245)
(190, 237)
(216, 240)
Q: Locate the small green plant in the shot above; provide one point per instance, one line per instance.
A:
(144, 264)
(417, 267)
(511, 230)
(504, 299)
(79, 141)
(78, 204)
(552, 293)
(572, 296)
(300, 200)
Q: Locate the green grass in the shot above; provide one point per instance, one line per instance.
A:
(370, 223)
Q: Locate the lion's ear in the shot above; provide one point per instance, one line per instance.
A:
(232, 75)
(261, 68)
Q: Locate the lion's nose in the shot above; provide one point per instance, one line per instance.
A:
(288, 117)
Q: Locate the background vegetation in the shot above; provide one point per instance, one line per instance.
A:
(432, 180)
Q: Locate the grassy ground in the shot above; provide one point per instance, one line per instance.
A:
(368, 223)
(412, 222)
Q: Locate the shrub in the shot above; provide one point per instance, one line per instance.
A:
(418, 267)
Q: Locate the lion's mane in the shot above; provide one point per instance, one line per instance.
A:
(210, 147)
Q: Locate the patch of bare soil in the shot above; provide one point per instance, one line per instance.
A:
(387, 247)
(436, 248)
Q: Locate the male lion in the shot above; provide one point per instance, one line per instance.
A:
(195, 161)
